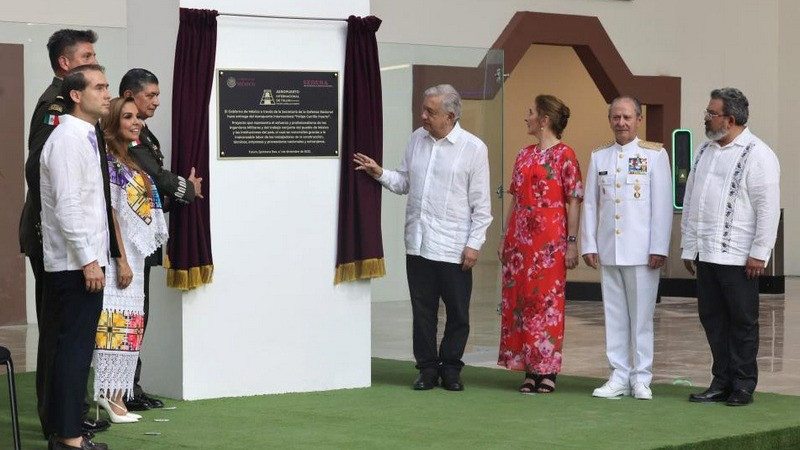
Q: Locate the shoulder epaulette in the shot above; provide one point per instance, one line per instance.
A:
(57, 106)
(606, 145)
(651, 145)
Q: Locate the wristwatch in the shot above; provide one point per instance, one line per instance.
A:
(572, 238)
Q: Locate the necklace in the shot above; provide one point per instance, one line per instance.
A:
(544, 149)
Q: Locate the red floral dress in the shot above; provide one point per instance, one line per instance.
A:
(535, 271)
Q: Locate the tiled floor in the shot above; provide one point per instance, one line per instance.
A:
(681, 350)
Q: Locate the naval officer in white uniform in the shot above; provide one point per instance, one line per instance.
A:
(626, 228)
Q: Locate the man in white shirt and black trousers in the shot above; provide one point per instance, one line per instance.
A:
(730, 220)
(445, 172)
(75, 234)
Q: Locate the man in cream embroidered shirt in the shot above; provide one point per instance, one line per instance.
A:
(729, 224)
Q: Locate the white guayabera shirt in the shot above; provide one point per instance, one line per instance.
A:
(74, 220)
(447, 182)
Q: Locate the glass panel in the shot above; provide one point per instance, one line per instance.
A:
(478, 75)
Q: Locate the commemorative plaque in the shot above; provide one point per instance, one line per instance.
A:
(266, 114)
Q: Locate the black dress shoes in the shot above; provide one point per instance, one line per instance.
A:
(452, 381)
(739, 397)
(153, 402)
(86, 444)
(425, 381)
(710, 395)
(138, 403)
(89, 425)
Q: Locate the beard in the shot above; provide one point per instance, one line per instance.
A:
(715, 135)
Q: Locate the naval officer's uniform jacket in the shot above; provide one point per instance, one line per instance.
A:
(627, 209)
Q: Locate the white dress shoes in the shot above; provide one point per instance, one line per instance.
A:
(642, 391)
(612, 389)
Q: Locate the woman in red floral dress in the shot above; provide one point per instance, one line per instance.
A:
(538, 248)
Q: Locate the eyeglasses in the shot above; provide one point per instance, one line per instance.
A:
(708, 115)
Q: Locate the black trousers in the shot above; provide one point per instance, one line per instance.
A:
(48, 338)
(76, 313)
(137, 389)
(428, 281)
(727, 303)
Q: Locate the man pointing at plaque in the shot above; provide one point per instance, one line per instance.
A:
(445, 172)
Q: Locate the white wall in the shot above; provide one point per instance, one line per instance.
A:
(708, 44)
(789, 99)
(76, 13)
(272, 320)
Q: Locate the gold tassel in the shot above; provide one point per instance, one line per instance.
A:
(366, 268)
(188, 279)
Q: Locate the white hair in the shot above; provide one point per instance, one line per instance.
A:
(451, 99)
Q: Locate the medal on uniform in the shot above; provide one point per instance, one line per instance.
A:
(636, 189)
(637, 165)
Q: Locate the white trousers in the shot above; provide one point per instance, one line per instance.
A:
(629, 300)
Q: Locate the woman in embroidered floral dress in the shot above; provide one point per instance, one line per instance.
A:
(141, 229)
(538, 247)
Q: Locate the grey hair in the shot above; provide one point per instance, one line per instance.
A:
(734, 104)
(451, 99)
(636, 104)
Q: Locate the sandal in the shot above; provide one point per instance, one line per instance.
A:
(528, 388)
(543, 388)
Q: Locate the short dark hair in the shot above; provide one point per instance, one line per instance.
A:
(64, 40)
(734, 104)
(75, 80)
(136, 80)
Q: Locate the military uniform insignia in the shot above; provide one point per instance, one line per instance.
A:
(636, 189)
(637, 165)
(651, 145)
(57, 106)
(606, 145)
(54, 110)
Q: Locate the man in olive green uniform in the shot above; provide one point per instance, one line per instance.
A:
(142, 86)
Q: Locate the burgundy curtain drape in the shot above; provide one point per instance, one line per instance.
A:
(189, 263)
(360, 245)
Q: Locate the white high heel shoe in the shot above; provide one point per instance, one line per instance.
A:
(105, 403)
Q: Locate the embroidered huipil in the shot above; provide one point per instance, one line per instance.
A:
(732, 202)
(447, 182)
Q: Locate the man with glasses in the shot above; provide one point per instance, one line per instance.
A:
(730, 220)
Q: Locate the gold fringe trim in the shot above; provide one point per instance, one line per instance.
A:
(188, 279)
(366, 268)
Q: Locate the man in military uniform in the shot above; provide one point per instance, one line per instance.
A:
(142, 85)
(627, 218)
(67, 49)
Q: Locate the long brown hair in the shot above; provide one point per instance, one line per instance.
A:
(116, 144)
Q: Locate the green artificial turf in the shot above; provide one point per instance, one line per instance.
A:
(490, 413)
